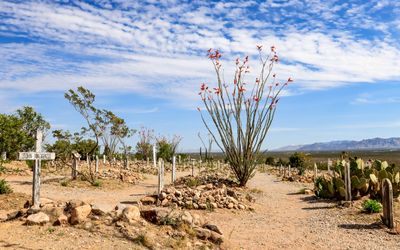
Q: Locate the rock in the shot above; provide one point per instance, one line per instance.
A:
(148, 200)
(213, 228)
(203, 206)
(162, 196)
(241, 206)
(45, 201)
(308, 192)
(209, 186)
(61, 220)
(345, 203)
(37, 219)
(75, 203)
(197, 220)
(187, 218)
(250, 198)
(165, 203)
(230, 205)
(214, 205)
(178, 193)
(131, 214)
(79, 214)
(154, 215)
(202, 233)
(216, 238)
(52, 212)
(3, 215)
(97, 210)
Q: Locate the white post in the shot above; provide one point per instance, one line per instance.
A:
(87, 159)
(4, 156)
(148, 162)
(173, 169)
(179, 159)
(289, 170)
(154, 156)
(315, 171)
(104, 159)
(97, 164)
(160, 176)
(36, 172)
(347, 181)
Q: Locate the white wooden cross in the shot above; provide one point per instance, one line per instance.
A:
(38, 156)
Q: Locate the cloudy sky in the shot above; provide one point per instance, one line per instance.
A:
(145, 60)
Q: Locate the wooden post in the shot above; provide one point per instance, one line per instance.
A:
(329, 166)
(193, 167)
(87, 160)
(104, 159)
(4, 156)
(36, 172)
(179, 159)
(315, 171)
(148, 162)
(74, 168)
(154, 156)
(387, 202)
(173, 176)
(289, 171)
(160, 175)
(97, 164)
(347, 181)
(280, 169)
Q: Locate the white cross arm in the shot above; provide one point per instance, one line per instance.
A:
(36, 156)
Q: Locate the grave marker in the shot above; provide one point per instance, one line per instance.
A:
(37, 156)
(347, 182)
(154, 156)
(160, 175)
(329, 166)
(387, 202)
(4, 156)
(315, 171)
(173, 169)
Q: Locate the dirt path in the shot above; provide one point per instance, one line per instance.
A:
(281, 220)
(105, 199)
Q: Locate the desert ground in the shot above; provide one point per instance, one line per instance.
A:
(280, 218)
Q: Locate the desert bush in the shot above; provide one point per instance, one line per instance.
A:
(372, 206)
(5, 187)
(240, 113)
(270, 161)
(299, 161)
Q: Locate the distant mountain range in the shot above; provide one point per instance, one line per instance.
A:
(367, 144)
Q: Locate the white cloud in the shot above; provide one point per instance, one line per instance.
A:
(158, 49)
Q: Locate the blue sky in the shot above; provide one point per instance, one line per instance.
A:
(145, 60)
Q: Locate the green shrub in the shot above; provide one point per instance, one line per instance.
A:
(5, 187)
(372, 206)
(97, 183)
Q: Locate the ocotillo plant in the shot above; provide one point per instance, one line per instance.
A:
(241, 116)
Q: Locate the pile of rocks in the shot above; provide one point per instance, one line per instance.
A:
(306, 178)
(124, 175)
(128, 219)
(204, 192)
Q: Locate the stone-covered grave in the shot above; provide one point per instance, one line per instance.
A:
(130, 221)
(202, 192)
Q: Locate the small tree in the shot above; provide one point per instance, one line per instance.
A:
(167, 147)
(144, 146)
(242, 113)
(270, 161)
(299, 161)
